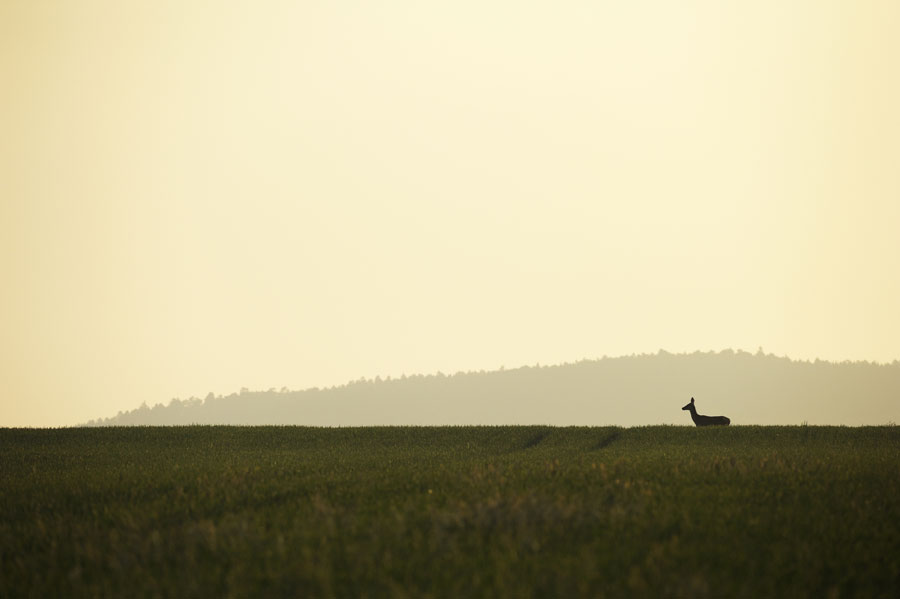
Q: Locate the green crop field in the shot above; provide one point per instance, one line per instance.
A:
(450, 512)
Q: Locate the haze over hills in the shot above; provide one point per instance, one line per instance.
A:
(635, 390)
(301, 193)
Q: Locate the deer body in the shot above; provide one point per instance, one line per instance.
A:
(701, 420)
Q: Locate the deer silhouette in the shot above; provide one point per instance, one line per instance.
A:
(701, 420)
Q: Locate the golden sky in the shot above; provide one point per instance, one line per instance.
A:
(203, 196)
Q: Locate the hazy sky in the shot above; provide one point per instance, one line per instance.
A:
(204, 196)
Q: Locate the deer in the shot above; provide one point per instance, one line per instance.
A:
(701, 420)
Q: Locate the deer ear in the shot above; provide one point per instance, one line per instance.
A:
(692, 400)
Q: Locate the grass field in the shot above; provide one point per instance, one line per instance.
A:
(450, 512)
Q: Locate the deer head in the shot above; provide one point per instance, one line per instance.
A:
(689, 406)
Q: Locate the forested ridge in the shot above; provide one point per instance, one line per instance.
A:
(750, 388)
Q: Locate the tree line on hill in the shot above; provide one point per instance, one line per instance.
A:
(646, 389)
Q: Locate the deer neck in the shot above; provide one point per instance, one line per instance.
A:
(694, 416)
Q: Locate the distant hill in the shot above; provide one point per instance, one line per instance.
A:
(626, 391)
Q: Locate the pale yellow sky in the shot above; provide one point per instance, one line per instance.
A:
(204, 196)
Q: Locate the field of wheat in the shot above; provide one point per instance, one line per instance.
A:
(450, 511)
